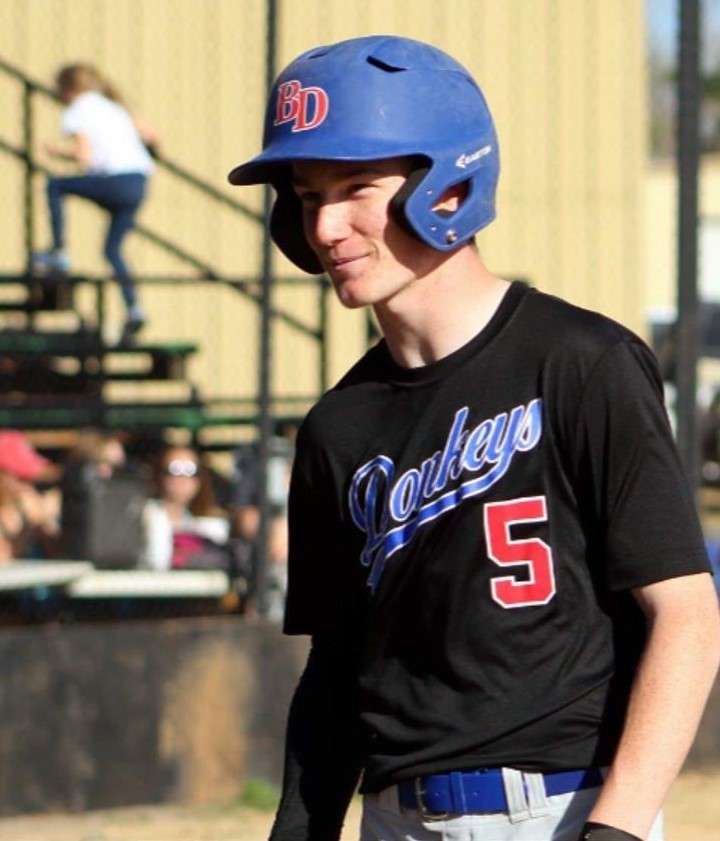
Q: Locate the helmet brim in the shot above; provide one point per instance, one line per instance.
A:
(272, 164)
(255, 171)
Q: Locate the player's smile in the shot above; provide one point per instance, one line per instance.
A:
(344, 266)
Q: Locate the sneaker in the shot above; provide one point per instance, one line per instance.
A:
(48, 262)
(132, 326)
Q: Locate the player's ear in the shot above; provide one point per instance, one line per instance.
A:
(452, 198)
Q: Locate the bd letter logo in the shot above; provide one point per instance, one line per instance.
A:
(305, 108)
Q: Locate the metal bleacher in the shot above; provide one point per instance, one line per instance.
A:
(38, 390)
(59, 380)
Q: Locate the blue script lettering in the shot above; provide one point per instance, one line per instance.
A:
(390, 510)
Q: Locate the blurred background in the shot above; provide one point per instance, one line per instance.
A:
(143, 481)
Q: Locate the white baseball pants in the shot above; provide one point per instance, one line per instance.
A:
(531, 816)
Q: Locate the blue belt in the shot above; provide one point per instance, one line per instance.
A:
(463, 792)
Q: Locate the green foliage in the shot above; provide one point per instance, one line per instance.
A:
(259, 794)
(711, 85)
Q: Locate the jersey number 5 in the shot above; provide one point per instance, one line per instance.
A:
(538, 587)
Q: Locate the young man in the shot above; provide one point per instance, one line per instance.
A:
(514, 629)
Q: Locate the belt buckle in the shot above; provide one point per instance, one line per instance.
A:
(420, 800)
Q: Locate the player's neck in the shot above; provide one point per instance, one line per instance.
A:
(442, 312)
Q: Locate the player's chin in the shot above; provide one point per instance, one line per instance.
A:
(352, 304)
(352, 296)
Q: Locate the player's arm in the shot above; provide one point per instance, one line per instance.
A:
(322, 750)
(671, 687)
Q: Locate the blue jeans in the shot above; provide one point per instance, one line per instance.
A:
(121, 195)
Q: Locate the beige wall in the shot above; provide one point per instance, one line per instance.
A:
(564, 78)
(661, 246)
(661, 209)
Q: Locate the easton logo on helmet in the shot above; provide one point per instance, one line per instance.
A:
(464, 159)
(305, 108)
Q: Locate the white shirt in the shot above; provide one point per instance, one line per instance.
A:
(159, 533)
(115, 144)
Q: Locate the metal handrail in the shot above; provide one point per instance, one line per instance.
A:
(249, 290)
(205, 272)
(174, 168)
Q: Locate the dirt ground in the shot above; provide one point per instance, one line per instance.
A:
(692, 814)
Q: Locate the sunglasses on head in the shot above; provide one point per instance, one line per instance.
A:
(182, 467)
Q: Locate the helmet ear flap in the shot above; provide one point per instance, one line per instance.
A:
(412, 208)
(400, 199)
(286, 229)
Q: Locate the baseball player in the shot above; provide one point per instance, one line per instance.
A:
(493, 547)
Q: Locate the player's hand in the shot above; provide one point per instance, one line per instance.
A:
(593, 831)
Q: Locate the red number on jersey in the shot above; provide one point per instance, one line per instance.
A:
(535, 554)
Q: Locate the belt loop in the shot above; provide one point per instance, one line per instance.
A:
(515, 793)
(537, 796)
(458, 792)
(388, 799)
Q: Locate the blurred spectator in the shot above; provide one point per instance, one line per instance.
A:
(102, 448)
(184, 526)
(245, 507)
(113, 148)
(103, 499)
(28, 518)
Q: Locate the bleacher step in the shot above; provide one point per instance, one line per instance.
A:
(50, 293)
(163, 360)
(64, 414)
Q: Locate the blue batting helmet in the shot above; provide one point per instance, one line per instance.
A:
(380, 97)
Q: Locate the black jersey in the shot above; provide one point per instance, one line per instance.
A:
(475, 525)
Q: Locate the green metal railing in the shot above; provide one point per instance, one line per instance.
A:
(250, 288)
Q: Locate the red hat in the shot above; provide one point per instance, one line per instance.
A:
(19, 458)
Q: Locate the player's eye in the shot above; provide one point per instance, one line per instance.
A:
(308, 197)
(359, 187)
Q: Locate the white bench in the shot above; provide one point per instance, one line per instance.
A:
(80, 580)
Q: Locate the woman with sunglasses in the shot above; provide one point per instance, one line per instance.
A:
(183, 506)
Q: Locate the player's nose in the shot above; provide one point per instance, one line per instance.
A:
(330, 224)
